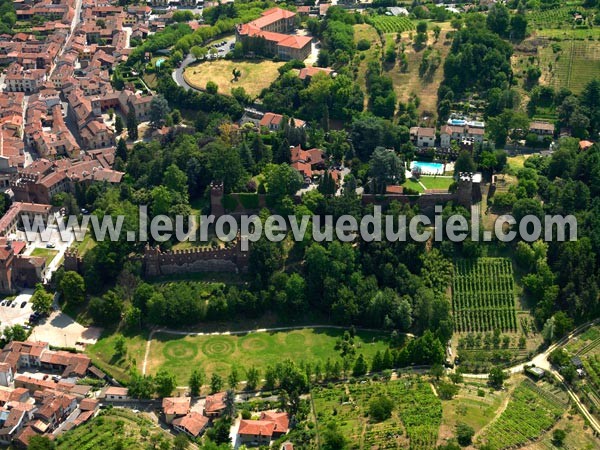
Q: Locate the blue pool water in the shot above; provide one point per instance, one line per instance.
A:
(428, 168)
(160, 61)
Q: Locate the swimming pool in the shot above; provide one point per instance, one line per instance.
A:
(428, 168)
(159, 62)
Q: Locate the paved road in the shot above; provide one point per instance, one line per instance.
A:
(541, 360)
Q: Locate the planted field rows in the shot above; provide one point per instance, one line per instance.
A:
(531, 411)
(392, 24)
(575, 66)
(483, 295)
(552, 18)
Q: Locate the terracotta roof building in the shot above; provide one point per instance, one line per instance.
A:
(270, 30)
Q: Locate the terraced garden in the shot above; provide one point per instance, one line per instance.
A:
(115, 428)
(483, 295)
(531, 411)
(414, 423)
(392, 24)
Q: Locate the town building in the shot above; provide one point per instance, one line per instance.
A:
(422, 136)
(270, 426)
(270, 34)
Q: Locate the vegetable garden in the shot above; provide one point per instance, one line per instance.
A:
(414, 423)
(532, 410)
(483, 295)
(392, 24)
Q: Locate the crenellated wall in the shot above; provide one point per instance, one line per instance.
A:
(198, 259)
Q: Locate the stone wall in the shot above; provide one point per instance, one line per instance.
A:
(199, 259)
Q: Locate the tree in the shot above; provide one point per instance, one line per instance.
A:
(234, 378)
(464, 434)
(252, 378)
(518, 26)
(360, 366)
(496, 377)
(558, 437)
(386, 168)
(281, 180)
(132, 125)
(437, 371)
(212, 87)
(121, 151)
(333, 438)
(41, 443)
(237, 73)
(498, 19)
(41, 301)
(216, 383)
(181, 442)
(165, 383)
(380, 408)
(120, 345)
(422, 27)
(464, 163)
(118, 125)
(198, 52)
(72, 287)
(159, 108)
(436, 31)
(196, 382)
(107, 309)
(229, 401)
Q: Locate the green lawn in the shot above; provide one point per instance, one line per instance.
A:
(85, 245)
(103, 355)
(410, 183)
(437, 182)
(220, 353)
(47, 253)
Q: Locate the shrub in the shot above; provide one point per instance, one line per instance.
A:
(363, 45)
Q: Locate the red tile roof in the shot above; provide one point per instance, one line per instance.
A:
(193, 423)
(176, 405)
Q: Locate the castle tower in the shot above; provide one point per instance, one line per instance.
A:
(216, 199)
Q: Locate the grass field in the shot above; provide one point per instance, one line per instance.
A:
(365, 31)
(47, 253)
(577, 63)
(414, 423)
(102, 354)
(471, 408)
(437, 182)
(85, 245)
(256, 75)
(220, 353)
(115, 429)
(409, 83)
(410, 183)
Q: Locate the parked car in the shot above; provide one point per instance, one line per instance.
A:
(13, 304)
(50, 245)
(23, 304)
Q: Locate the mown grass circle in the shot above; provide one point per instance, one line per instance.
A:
(255, 343)
(295, 339)
(218, 346)
(181, 350)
